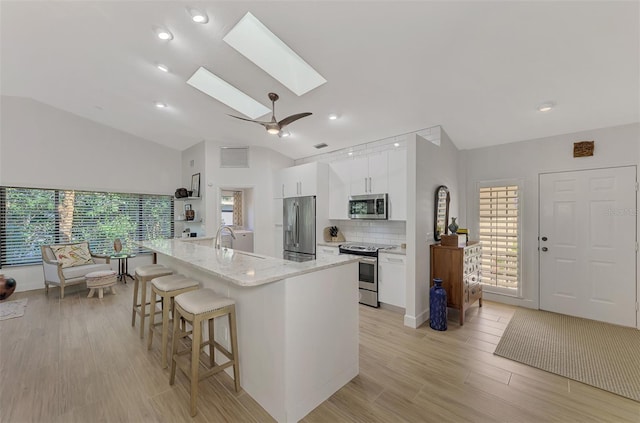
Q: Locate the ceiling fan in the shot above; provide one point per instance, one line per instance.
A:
(275, 127)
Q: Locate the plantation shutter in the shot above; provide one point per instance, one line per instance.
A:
(30, 218)
(499, 230)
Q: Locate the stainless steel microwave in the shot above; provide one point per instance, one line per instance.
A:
(371, 206)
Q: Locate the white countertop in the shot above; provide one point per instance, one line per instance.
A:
(239, 267)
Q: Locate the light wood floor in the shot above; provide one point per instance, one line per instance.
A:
(79, 360)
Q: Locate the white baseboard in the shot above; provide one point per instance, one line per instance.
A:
(415, 321)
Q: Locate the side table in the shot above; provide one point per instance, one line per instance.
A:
(123, 266)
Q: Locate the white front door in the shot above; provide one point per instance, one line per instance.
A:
(587, 244)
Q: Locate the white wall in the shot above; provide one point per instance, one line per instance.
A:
(433, 166)
(45, 147)
(263, 165)
(615, 146)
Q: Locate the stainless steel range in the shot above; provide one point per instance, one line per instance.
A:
(368, 269)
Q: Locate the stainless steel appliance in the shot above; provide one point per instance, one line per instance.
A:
(368, 269)
(371, 206)
(299, 227)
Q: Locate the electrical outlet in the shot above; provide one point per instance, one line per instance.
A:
(192, 163)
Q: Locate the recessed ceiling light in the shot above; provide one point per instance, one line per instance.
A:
(162, 67)
(198, 16)
(160, 105)
(257, 43)
(226, 93)
(396, 144)
(333, 116)
(546, 107)
(163, 33)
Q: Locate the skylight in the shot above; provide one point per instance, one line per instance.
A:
(258, 44)
(226, 93)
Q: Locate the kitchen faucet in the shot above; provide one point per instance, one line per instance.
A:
(216, 243)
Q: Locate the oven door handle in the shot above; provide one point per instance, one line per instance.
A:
(369, 260)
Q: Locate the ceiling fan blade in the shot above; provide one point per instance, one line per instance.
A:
(249, 120)
(284, 122)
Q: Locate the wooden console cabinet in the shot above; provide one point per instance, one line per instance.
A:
(459, 269)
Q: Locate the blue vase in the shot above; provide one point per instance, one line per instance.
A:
(437, 306)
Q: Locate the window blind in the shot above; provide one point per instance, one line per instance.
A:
(30, 218)
(499, 234)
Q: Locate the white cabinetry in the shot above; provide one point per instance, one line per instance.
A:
(302, 180)
(278, 235)
(376, 173)
(339, 181)
(324, 249)
(369, 174)
(392, 279)
(397, 184)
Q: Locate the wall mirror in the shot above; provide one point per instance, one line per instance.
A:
(441, 212)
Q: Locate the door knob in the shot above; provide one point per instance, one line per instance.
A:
(544, 238)
(545, 249)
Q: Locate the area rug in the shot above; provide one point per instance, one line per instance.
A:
(598, 354)
(12, 309)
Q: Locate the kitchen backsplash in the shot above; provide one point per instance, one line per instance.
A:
(379, 232)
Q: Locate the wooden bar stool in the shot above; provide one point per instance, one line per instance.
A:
(197, 307)
(167, 287)
(143, 275)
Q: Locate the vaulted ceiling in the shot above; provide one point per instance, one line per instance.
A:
(479, 69)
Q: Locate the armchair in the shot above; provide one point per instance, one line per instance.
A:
(56, 272)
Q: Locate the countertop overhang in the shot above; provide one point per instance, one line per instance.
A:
(239, 267)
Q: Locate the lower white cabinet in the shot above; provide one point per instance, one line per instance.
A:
(392, 274)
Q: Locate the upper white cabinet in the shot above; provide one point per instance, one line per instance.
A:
(302, 180)
(397, 184)
(376, 173)
(369, 174)
(339, 188)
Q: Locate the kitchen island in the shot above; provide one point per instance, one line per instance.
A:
(297, 322)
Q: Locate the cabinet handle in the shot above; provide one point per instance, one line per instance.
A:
(282, 190)
(370, 184)
(394, 260)
(365, 185)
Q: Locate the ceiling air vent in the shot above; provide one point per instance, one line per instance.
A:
(234, 156)
(321, 145)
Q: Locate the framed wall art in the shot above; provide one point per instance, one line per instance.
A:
(195, 185)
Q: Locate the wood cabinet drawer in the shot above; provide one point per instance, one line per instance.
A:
(475, 292)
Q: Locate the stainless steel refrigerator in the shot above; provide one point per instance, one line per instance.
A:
(299, 228)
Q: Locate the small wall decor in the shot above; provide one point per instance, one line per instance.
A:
(583, 148)
(195, 185)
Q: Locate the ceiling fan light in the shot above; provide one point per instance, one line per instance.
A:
(284, 133)
(273, 131)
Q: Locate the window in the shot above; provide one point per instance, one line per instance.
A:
(30, 218)
(499, 233)
(231, 208)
